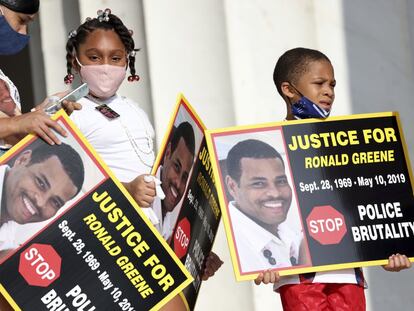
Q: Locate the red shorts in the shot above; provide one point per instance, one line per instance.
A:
(322, 296)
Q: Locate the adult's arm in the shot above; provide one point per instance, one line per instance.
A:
(36, 122)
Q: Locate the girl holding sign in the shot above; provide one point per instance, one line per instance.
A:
(101, 50)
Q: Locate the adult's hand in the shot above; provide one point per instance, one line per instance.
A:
(36, 122)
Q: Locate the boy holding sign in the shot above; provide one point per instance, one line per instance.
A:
(305, 80)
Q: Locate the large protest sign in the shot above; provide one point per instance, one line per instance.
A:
(98, 253)
(189, 214)
(312, 195)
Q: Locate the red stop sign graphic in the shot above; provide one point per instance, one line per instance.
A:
(326, 225)
(182, 238)
(40, 265)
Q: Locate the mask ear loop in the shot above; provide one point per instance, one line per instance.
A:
(1, 11)
(77, 60)
(322, 111)
(294, 87)
(296, 90)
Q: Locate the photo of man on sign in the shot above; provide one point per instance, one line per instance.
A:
(174, 172)
(35, 185)
(259, 200)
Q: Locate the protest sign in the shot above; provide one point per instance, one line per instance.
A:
(189, 214)
(314, 195)
(98, 253)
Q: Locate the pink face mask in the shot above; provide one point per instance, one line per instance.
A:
(103, 80)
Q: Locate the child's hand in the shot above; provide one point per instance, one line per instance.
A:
(267, 277)
(69, 106)
(397, 263)
(213, 263)
(142, 191)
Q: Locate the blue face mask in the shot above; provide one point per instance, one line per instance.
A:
(304, 108)
(11, 41)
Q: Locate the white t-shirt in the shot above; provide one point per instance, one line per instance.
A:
(124, 143)
(8, 229)
(252, 240)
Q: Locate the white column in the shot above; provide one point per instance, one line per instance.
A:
(258, 33)
(253, 31)
(54, 38)
(187, 44)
